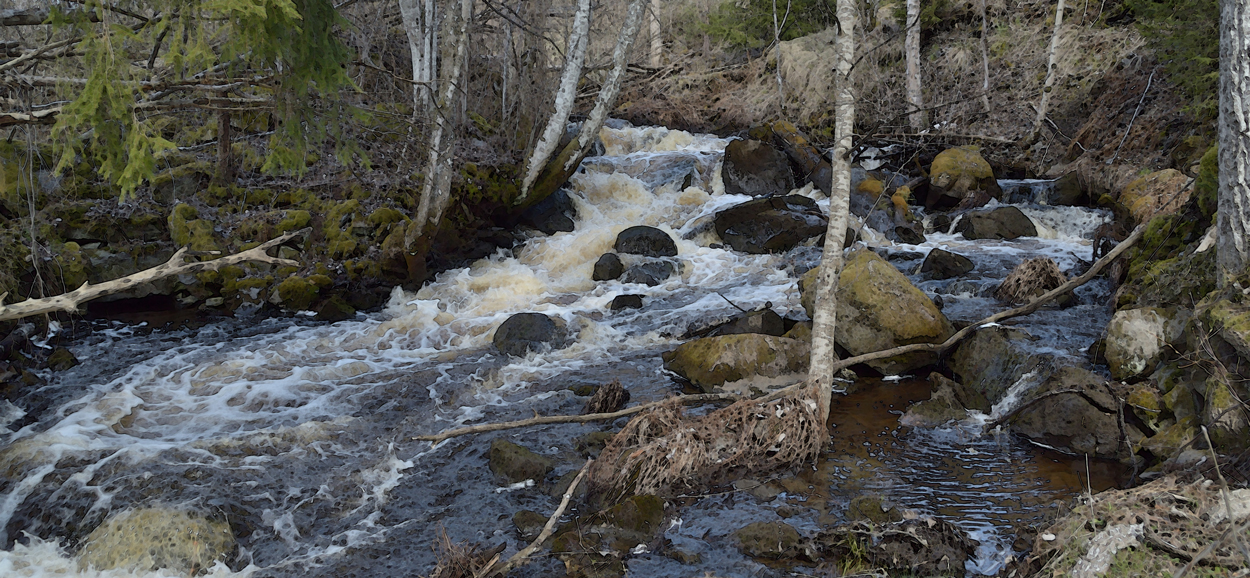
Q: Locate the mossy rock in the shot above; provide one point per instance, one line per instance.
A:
(296, 293)
(517, 464)
(1172, 439)
(335, 309)
(1146, 403)
(294, 220)
(1225, 417)
(61, 359)
(151, 539)
(872, 508)
(72, 265)
(711, 362)
(771, 540)
(958, 171)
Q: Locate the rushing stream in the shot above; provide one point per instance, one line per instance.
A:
(298, 433)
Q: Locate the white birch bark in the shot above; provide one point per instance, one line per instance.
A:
(612, 84)
(437, 186)
(1233, 216)
(985, 59)
(919, 118)
(1051, 68)
(418, 20)
(825, 317)
(657, 45)
(565, 95)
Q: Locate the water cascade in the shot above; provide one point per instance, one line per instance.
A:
(298, 434)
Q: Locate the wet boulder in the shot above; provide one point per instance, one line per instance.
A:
(755, 168)
(998, 223)
(950, 401)
(608, 267)
(630, 301)
(957, 173)
(879, 309)
(554, 214)
(517, 464)
(943, 264)
(645, 241)
(649, 273)
(995, 358)
(1138, 339)
(891, 216)
(526, 332)
(1073, 411)
(597, 545)
(764, 320)
(809, 159)
(1158, 193)
(1030, 280)
(710, 362)
(158, 538)
(771, 225)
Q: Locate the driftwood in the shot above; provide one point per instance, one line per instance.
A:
(523, 556)
(176, 265)
(548, 419)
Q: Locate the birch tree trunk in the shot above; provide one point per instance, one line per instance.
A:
(1051, 66)
(1233, 216)
(558, 170)
(825, 318)
(419, 21)
(985, 59)
(565, 95)
(919, 118)
(437, 186)
(657, 45)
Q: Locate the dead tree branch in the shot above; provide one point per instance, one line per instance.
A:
(548, 419)
(176, 265)
(521, 557)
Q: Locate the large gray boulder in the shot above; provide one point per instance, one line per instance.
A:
(1074, 412)
(711, 362)
(998, 223)
(1138, 339)
(645, 241)
(526, 332)
(771, 225)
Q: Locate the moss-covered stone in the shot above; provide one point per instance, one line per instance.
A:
(872, 508)
(517, 464)
(73, 265)
(61, 359)
(713, 361)
(335, 309)
(150, 539)
(1172, 439)
(773, 540)
(1146, 402)
(1225, 417)
(296, 293)
(295, 220)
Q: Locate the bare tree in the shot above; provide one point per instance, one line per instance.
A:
(437, 186)
(657, 44)
(985, 59)
(1051, 68)
(1234, 137)
(575, 57)
(421, 25)
(825, 318)
(918, 118)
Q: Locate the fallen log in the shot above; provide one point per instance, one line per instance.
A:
(176, 265)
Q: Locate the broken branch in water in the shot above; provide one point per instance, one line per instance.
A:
(523, 556)
(546, 419)
(176, 265)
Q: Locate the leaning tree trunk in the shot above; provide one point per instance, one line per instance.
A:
(825, 317)
(565, 96)
(918, 118)
(1234, 133)
(561, 166)
(1051, 66)
(436, 188)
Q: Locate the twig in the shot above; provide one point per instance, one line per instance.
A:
(176, 265)
(722, 296)
(1228, 504)
(1135, 112)
(1205, 554)
(549, 419)
(522, 556)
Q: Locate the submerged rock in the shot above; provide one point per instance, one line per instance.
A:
(649, 273)
(765, 321)
(526, 332)
(150, 539)
(755, 168)
(1000, 223)
(645, 241)
(950, 401)
(919, 547)
(626, 302)
(771, 225)
(517, 464)
(710, 362)
(773, 540)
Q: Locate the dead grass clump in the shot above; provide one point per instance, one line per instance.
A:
(1029, 280)
(462, 560)
(663, 452)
